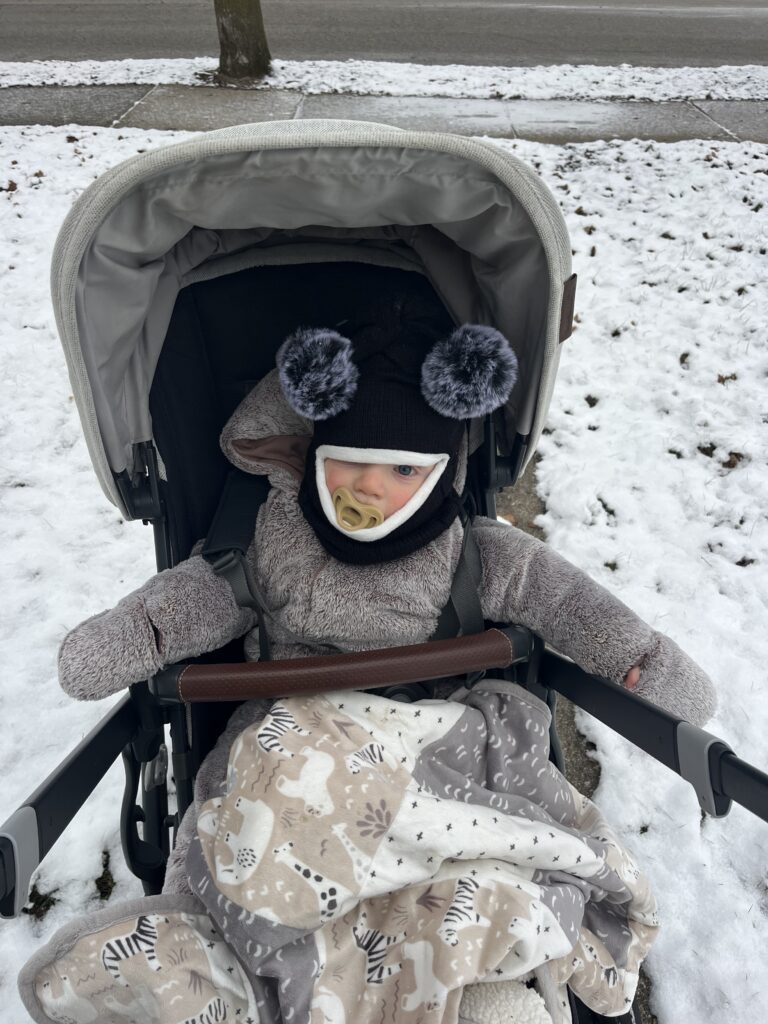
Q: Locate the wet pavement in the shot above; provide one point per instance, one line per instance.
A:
(201, 108)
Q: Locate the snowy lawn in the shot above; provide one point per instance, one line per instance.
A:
(653, 469)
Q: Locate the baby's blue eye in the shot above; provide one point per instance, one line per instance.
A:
(405, 470)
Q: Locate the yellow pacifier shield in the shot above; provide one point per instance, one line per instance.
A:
(351, 514)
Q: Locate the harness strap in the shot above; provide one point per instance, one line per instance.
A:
(229, 538)
(463, 614)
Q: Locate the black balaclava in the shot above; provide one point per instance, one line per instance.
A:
(389, 395)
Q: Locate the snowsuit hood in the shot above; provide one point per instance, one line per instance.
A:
(265, 436)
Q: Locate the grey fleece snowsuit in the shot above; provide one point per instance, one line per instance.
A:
(316, 604)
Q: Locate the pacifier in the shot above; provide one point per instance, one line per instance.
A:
(351, 514)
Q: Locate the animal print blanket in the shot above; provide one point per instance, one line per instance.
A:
(366, 861)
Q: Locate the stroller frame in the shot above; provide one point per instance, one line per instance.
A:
(135, 727)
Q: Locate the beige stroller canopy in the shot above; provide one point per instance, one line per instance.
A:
(474, 219)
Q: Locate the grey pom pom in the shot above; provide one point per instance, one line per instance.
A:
(316, 371)
(470, 373)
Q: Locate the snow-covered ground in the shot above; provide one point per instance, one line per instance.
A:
(380, 78)
(654, 471)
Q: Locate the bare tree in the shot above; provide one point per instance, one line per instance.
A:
(243, 50)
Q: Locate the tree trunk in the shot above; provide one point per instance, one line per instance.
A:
(244, 53)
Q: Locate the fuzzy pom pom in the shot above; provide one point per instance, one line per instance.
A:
(469, 373)
(317, 373)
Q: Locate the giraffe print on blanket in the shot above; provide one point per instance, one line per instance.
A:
(330, 895)
(361, 862)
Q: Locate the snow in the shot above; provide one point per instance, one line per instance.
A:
(653, 470)
(380, 78)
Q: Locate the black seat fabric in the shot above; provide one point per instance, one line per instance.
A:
(221, 341)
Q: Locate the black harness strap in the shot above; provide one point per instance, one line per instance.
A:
(229, 538)
(463, 614)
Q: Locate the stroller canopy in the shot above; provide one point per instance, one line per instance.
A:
(478, 222)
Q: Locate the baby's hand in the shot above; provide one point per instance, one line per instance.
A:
(632, 678)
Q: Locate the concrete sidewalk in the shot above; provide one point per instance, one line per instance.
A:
(199, 108)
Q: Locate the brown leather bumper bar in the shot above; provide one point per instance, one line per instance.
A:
(369, 670)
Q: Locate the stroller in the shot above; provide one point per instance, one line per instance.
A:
(160, 271)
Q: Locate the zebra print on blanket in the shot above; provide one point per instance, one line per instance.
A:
(376, 945)
(162, 962)
(142, 939)
(214, 1013)
(276, 725)
(461, 913)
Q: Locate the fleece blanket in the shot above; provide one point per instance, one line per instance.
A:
(366, 861)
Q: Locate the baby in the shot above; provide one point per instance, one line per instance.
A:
(364, 441)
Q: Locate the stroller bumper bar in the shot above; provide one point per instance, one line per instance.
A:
(708, 764)
(496, 648)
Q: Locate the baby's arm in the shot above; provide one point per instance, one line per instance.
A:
(178, 614)
(527, 583)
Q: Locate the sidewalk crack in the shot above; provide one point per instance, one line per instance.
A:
(714, 120)
(132, 107)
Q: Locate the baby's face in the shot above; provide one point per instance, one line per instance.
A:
(386, 487)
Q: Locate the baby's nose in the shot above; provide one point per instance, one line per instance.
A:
(370, 481)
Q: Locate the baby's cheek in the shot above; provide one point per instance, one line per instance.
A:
(403, 495)
(333, 478)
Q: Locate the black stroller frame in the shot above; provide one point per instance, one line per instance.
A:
(181, 510)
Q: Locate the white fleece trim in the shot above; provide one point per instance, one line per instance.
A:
(384, 456)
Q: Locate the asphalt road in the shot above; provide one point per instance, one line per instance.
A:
(686, 32)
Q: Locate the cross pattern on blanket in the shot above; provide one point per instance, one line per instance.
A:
(393, 853)
(370, 862)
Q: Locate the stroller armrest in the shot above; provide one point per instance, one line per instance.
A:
(496, 648)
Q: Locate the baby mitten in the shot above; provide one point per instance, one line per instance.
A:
(180, 613)
(526, 582)
(673, 681)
